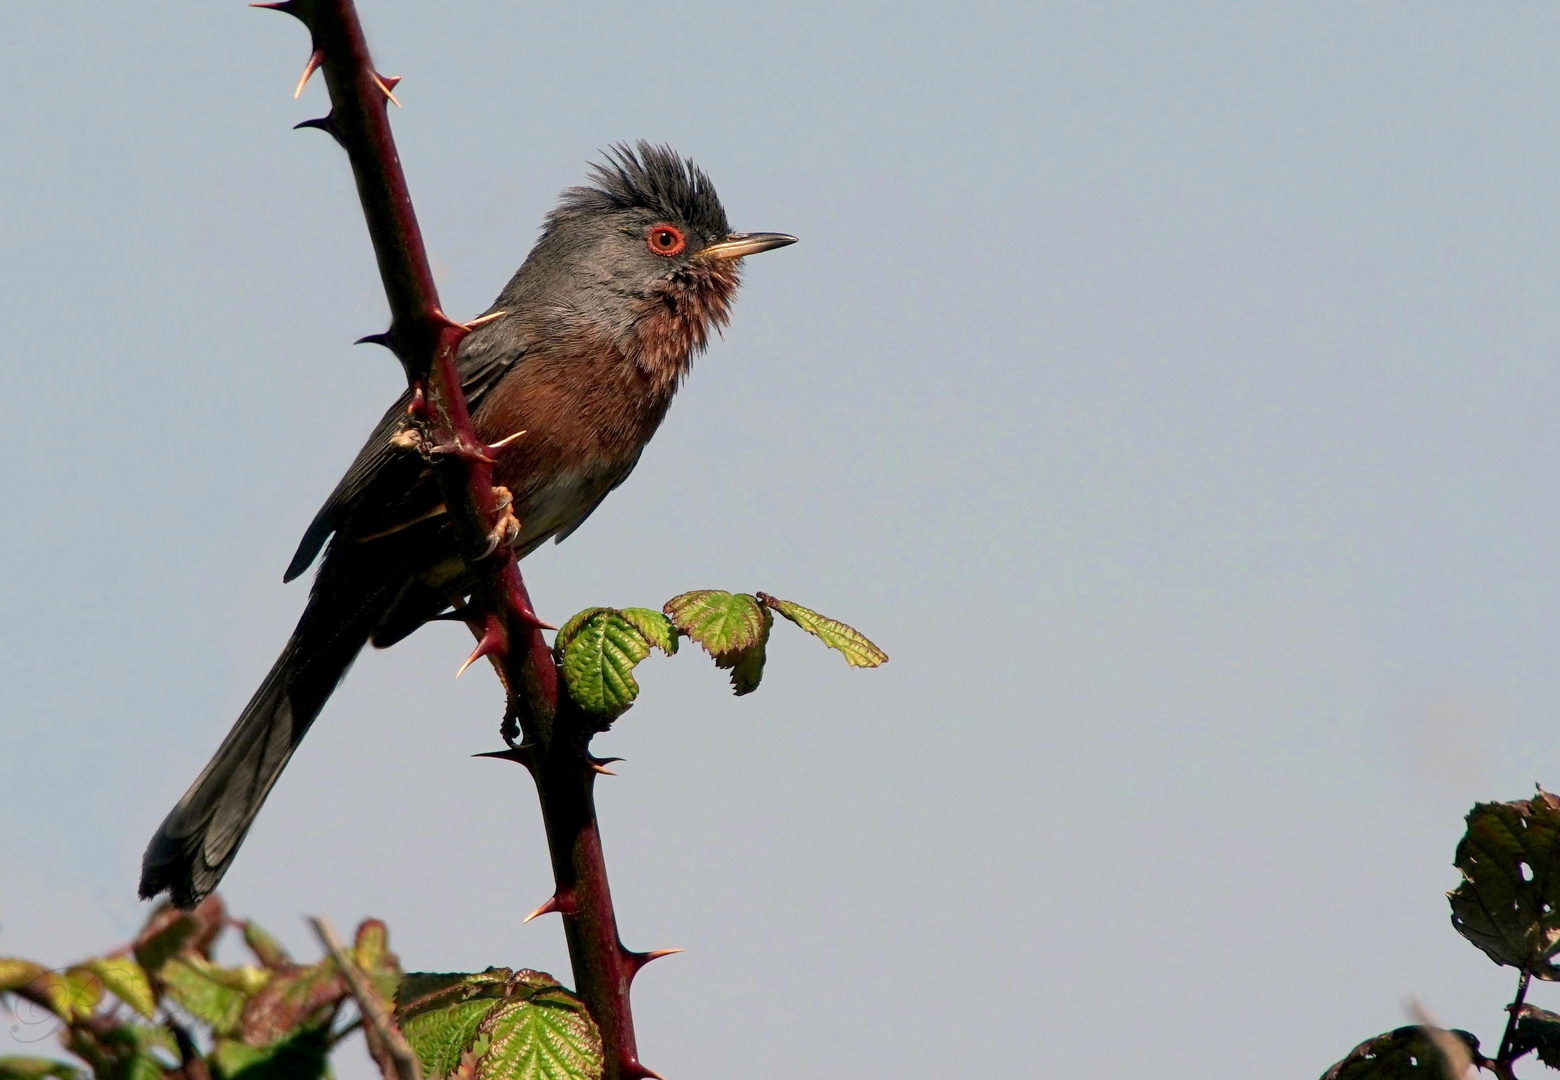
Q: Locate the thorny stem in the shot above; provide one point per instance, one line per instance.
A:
(426, 340)
(1515, 1010)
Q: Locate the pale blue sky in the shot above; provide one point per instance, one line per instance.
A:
(1172, 389)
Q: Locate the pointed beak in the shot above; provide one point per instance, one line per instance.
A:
(745, 243)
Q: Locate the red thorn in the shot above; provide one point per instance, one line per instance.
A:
(379, 82)
(377, 339)
(327, 124)
(392, 81)
(286, 7)
(418, 409)
(632, 1070)
(637, 960)
(492, 644)
(315, 59)
(462, 451)
(562, 903)
(601, 769)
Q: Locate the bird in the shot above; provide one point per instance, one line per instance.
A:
(582, 351)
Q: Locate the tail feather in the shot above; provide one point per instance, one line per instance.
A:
(199, 838)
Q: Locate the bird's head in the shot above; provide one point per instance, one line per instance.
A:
(644, 254)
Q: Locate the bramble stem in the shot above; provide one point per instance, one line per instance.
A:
(426, 342)
(1514, 1009)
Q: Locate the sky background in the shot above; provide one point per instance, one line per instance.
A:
(1173, 390)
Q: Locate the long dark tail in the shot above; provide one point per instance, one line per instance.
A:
(198, 839)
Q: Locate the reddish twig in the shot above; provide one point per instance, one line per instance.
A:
(552, 735)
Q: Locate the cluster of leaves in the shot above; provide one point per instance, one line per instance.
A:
(598, 649)
(162, 1008)
(1508, 904)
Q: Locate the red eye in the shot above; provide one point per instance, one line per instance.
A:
(665, 239)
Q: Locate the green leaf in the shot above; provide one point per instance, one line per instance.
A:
(845, 640)
(30, 1068)
(71, 995)
(1509, 901)
(747, 665)
(123, 1051)
(720, 621)
(371, 952)
(598, 662)
(543, 1033)
(127, 981)
(567, 631)
(213, 995)
(440, 1013)
(1537, 1029)
(15, 974)
(270, 952)
(653, 626)
(302, 1055)
(1404, 1054)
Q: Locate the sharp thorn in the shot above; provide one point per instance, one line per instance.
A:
(376, 339)
(392, 530)
(553, 903)
(327, 124)
(632, 1070)
(606, 760)
(656, 954)
(601, 770)
(483, 320)
(522, 754)
(514, 753)
(381, 84)
(505, 441)
(286, 7)
(315, 59)
(492, 643)
(392, 81)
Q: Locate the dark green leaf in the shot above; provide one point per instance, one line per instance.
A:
(1537, 1029)
(598, 663)
(846, 640)
(720, 621)
(29, 1068)
(1404, 1054)
(301, 1055)
(1509, 901)
(653, 626)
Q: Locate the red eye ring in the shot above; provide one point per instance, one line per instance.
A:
(665, 240)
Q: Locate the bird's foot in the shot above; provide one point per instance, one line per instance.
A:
(507, 529)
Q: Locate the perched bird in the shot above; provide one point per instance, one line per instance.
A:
(630, 276)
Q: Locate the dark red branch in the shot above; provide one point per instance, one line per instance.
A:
(426, 342)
